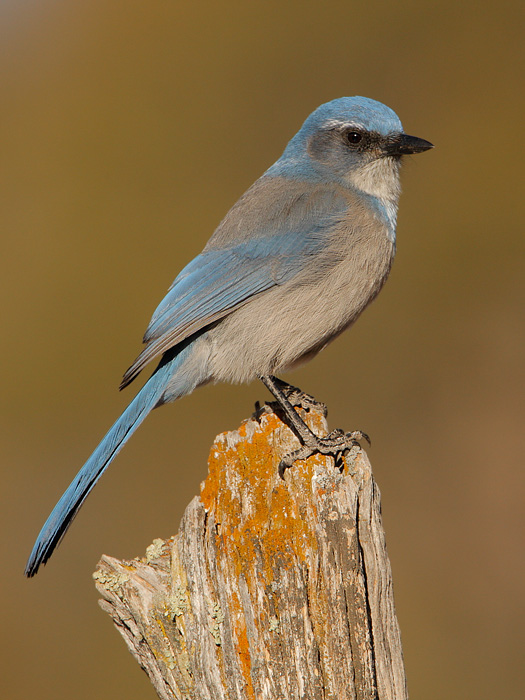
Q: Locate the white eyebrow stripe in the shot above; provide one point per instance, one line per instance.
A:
(338, 124)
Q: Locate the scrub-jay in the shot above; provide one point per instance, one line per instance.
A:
(293, 263)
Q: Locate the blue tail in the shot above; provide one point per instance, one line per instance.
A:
(65, 510)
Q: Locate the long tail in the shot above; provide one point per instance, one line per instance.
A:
(68, 506)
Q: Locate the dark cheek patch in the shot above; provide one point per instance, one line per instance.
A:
(320, 145)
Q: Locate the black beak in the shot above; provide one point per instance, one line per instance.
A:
(403, 144)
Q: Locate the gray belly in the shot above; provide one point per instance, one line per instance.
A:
(289, 324)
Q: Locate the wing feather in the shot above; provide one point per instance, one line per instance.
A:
(220, 280)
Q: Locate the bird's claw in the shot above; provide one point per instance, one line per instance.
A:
(357, 435)
(335, 443)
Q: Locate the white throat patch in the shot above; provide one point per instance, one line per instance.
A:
(380, 179)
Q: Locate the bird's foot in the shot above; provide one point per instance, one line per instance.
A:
(335, 443)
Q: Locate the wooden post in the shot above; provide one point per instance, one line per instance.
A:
(273, 589)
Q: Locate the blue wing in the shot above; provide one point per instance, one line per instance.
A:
(220, 280)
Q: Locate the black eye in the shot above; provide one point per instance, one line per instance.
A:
(354, 137)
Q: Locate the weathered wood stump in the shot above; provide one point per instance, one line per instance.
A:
(273, 589)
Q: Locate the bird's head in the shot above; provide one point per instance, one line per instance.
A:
(354, 140)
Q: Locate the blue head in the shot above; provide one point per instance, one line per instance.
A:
(361, 112)
(353, 140)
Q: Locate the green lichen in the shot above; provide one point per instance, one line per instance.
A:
(177, 603)
(218, 617)
(274, 624)
(154, 551)
(111, 581)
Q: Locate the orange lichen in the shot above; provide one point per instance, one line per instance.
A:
(242, 646)
(264, 572)
(243, 471)
(265, 526)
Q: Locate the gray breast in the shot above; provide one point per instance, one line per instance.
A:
(289, 324)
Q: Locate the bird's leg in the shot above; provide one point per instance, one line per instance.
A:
(337, 441)
(297, 397)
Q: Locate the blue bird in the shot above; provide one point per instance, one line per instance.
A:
(292, 265)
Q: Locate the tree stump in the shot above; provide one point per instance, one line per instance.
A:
(273, 589)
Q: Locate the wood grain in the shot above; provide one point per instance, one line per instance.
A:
(272, 589)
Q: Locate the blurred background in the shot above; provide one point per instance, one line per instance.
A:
(128, 130)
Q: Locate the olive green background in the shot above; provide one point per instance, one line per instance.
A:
(127, 131)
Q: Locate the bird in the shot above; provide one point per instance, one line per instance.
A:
(291, 266)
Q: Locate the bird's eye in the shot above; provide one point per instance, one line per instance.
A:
(354, 137)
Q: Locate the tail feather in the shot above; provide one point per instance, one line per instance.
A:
(68, 506)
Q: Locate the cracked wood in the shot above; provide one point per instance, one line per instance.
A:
(272, 589)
